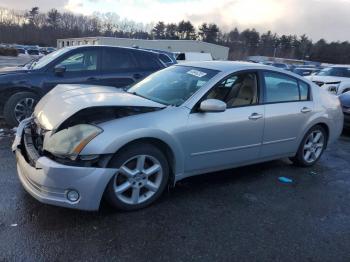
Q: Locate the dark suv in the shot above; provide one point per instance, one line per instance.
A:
(21, 88)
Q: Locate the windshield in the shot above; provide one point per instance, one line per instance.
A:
(48, 58)
(335, 71)
(173, 85)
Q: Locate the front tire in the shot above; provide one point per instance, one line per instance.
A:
(311, 147)
(142, 177)
(19, 106)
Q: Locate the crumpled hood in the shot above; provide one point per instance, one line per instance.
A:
(327, 79)
(65, 100)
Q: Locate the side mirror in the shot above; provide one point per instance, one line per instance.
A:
(59, 70)
(212, 105)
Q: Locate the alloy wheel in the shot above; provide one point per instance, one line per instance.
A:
(24, 108)
(313, 146)
(138, 179)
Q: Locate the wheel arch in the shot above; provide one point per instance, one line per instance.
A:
(8, 92)
(163, 146)
(323, 124)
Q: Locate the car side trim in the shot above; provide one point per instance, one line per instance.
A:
(225, 149)
(279, 141)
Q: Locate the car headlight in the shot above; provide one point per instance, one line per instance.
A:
(70, 142)
(333, 89)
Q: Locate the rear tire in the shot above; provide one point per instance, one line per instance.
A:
(143, 176)
(311, 147)
(19, 106)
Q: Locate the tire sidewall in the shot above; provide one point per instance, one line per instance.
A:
(120, 158)
(300, 155)
(11, 103)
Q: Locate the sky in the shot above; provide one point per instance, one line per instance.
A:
(328, 19)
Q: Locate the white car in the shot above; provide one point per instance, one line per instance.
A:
(335, 79)
(193, 57)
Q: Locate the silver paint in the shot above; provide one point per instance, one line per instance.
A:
(199, 141)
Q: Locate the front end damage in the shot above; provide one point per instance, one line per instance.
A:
(54, 178)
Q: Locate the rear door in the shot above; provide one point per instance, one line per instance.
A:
(119, 67)
(148, 62)
(288, 107)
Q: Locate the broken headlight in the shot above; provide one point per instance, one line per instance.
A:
(70, 142)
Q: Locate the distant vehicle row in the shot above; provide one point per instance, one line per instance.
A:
(32, 50)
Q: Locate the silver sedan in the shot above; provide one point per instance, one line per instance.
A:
(87, 142)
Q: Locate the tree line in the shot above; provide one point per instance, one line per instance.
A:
(38, 28)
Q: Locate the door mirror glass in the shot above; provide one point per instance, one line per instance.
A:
(59, 70)
(212, 105)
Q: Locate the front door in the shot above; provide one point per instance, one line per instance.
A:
(81, 68)
(225, 139)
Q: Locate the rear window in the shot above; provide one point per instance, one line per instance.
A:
(283, 88)
(117, 59)
(164, 58)
(147, 61)
(280, 88)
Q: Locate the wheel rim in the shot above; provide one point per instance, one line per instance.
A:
(24, 108)
(313, 146)
(138, 179)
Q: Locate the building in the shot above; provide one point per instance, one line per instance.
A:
(218, 52)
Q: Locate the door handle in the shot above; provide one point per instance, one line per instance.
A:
(92, 79)
(255, 116)
(305, 110)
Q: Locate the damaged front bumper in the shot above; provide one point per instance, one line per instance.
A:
(50, 182)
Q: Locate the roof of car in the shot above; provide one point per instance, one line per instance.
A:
(112, 46)
(226, 66)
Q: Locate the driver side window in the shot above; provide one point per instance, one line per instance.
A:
(82, 61)
(236, 90)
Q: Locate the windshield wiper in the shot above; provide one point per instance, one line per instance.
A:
(137, 94)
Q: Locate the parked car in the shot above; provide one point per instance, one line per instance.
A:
(305, 71)
(20, 89)
(335, 79)
(46, 50)
(168, 58)
(21, 51)
(345, 102)
(192, 56)
(33, 52)
(85, 142)
(281, 65)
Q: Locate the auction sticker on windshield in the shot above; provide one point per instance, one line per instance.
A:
(196, 73)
